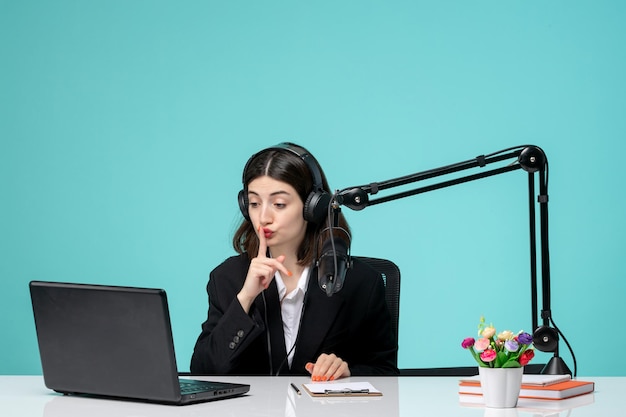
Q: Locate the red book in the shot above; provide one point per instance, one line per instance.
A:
(557, 391)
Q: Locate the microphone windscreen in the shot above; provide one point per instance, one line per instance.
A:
(341, 246)
(333, 265)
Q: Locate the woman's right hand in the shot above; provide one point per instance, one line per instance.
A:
(260, 273)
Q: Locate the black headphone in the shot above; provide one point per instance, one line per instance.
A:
(316, 203)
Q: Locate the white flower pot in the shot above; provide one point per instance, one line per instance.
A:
(500, 386)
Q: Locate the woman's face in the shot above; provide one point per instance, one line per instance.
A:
(277, 209)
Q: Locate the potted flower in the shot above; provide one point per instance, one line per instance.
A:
(501, 358)
(504, 350)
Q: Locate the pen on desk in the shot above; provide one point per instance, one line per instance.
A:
(296, 389)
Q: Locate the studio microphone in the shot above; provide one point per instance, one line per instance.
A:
(334, 261)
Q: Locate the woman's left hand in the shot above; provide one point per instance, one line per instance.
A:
(328, 368)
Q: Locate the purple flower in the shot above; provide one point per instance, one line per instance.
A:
(524, 338)
(511, 345)
(468, 342)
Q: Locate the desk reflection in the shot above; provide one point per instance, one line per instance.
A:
(26, 396)
(70, 406)
(538, 408)
(267, 397)
(500, 412)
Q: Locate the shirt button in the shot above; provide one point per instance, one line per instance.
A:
(240, 333)
(236, 339)
(232, 345)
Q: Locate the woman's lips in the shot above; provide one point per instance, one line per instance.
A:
(267, 233)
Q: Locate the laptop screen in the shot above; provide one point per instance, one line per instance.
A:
(105, 340)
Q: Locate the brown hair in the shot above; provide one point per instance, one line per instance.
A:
(284, 165)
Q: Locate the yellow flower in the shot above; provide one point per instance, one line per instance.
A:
(488, 332)
(506, 335)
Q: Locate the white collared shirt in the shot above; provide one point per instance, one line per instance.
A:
(291, 306)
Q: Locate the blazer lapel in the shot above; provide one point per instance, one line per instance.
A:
(274, 317)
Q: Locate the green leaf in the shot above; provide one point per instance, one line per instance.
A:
(511, 364)
(500, 360)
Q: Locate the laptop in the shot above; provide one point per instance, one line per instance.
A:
(115, 342)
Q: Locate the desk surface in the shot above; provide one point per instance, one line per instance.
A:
(273, 396)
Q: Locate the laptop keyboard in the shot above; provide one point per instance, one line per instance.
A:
(190, 386)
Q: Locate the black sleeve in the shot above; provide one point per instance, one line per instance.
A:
(228, 331)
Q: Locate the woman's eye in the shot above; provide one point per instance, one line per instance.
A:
(253, 204)
(280, 205)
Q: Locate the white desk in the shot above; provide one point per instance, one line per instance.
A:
(274, 397)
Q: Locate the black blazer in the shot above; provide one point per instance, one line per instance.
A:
(354, 324)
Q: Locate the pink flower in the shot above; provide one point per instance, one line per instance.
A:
(526, 357)
(488, 355)
(482, 344)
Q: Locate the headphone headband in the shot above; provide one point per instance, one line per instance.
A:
(316, 204)
(301, 153)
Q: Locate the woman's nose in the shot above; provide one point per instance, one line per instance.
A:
(266, 215)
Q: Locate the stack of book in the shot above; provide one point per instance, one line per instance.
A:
(535, 387)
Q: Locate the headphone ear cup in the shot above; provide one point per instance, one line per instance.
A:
(242, 198)
(546, 339)
(316, 206)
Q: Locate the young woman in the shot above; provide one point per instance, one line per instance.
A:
(267, 314)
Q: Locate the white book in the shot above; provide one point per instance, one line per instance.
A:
(531, 379)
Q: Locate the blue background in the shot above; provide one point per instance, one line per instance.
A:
(125, 125)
